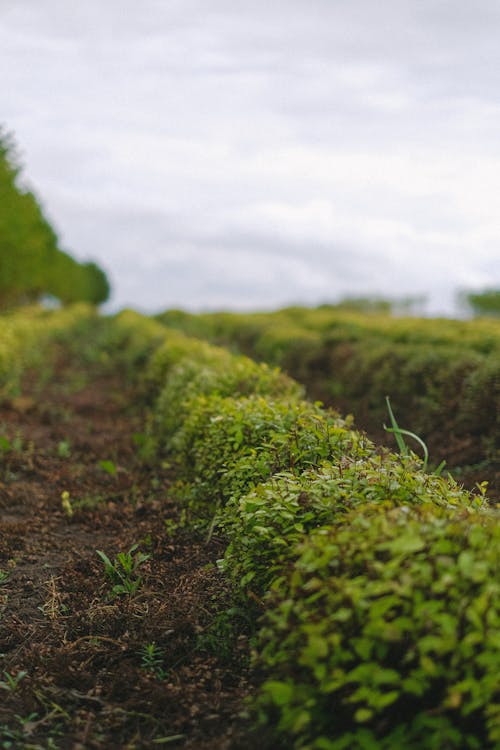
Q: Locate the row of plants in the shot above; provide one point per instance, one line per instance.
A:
(32, 263)
(376, 584)
(443, 376)
(26, 334)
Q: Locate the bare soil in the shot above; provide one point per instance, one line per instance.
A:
(82, 668)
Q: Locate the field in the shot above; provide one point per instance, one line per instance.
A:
(195, 555)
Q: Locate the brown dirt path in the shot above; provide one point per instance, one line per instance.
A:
(79, 668)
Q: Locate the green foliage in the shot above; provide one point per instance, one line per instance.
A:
(123, 571)
(443, 375)
(131, 340)
(265, 526)
(31, 262)
(368, 569)
(228, 445)
(388, 627)
(207, 371)
(11, 682)
(24, 337)
(152, 658)
(109, 467)
(486, 302)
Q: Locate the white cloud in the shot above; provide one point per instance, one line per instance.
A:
(247, 154)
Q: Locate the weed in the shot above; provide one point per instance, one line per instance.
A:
(403, 448)
(4, 576)
(11, 681)
(152, 660)
(89, 502)
(17, 737)
(171, 526)
(5, 445)
(147, 446)
(66, 503)
(64, 449)
(109, 467)
(53, 606)
(123, 572)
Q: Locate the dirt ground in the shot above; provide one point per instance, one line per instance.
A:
(81, 666)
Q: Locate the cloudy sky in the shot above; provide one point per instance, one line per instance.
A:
(253, 153)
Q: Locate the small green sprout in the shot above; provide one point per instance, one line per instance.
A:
(123, 572)
(109, 467)
(4, 576)
(64, 449)
(152, 660)
(5, 444)
(66, 503)
(11, 681)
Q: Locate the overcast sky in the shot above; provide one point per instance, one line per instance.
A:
(248, 154)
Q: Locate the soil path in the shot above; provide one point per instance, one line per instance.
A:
(79, 667)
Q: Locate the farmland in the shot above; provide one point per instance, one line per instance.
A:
(195, 554)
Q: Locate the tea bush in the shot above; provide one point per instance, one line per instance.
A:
(212, 372)
(386, 633)
(442, 375)
(265, 525)
(379, 583)
(25, 335)
(227, 445)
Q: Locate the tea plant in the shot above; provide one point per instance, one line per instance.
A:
(123, 572)
(385, 634)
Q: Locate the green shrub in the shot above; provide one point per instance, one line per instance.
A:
(379, 582)
(442, 375)
(219, 374)
(226, 446)
(265, 526)
(25, 336)
(386, 633)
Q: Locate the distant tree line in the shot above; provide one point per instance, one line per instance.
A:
(32, 265)
(486, 302)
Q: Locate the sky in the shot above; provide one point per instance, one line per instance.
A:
(249, 154)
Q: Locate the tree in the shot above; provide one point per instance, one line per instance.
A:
(486, 302)
(31, 262)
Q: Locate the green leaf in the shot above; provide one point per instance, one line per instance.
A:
(363, 715)
(109, 467)
(280, 692)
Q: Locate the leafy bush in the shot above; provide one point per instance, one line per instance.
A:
(223, 375)
(442, 375)
(265, 526)
(226, 445)
(385, 634)
(382, 609)
(24, 337)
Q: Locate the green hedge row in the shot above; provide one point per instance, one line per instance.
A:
(386, 633)
(24, 337)
(443, 376)
(379, 584)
